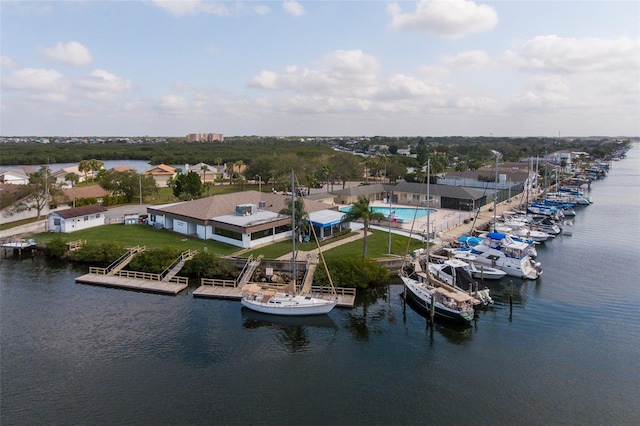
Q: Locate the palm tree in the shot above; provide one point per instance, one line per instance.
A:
(302, 219)
(327, 173)
(94, 166)
(84, 167)
(204, 169)
(360, 210)
(72, 178)
(236, 166)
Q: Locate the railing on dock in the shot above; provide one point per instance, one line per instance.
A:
(138, 275)
(123, 260)
(74, 245)
(184, 256)
(217, 282)
(341, 291)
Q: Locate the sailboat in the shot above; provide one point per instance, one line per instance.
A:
(434, 296)
(287, 300)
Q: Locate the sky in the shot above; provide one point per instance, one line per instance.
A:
(320, 68)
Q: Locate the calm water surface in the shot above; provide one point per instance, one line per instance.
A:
(568, 352)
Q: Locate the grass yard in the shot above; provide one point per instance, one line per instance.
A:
(377, 246)
(142, 235)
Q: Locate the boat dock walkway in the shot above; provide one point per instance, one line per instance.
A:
(227, 289)
(131, 280)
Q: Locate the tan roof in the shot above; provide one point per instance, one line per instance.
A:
(123, 168)
(224, 204)
(93, 191)
(161, 169)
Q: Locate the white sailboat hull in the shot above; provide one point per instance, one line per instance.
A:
(289, 305)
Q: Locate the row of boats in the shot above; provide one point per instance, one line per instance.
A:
(447, 288)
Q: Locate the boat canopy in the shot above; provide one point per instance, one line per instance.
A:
(252, 288)
(496, 236)
(458, 296)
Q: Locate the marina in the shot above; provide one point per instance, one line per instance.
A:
(564, 353)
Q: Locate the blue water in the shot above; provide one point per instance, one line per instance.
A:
(566, 353)
(402, 214)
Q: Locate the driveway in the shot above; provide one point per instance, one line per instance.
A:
(119, 212)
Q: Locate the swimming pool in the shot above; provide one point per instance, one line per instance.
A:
(402, 214)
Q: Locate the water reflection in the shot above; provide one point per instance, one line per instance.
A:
(370, 313)
(294, 331)
(454, 332)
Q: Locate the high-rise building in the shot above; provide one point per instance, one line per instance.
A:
(205, 137)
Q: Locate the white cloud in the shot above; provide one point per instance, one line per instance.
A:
(343, 72)
(476, 60)
(552, 53)
(37, 83)
(293, 7)
(173, 104)
(73, 54)
(265, 80)
(447, 18)
(261, 9)
(102, 85)
(7, 62)
(192, 7)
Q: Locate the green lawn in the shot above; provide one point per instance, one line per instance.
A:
(142, 235)
(377, 246)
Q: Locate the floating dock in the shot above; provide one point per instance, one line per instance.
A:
(221, 289)
(132, 283)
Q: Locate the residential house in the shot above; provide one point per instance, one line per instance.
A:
(61, 174)
(14, 176)
(162, 174)
(206, 172)
(80, 195)
(71, 220)
(122, 168)
(243, 219)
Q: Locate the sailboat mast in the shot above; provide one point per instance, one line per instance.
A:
(293, 232)
(428, 206)
(495, 195)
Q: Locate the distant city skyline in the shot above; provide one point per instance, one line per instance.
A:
(320, 68)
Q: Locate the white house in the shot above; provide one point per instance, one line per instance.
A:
(243, 219)
(14, 177)
(71, 220)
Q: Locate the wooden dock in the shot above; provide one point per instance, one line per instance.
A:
(221, 289)
(130, 280)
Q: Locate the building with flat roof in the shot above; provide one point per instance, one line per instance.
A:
(205, 137)
(243, 219)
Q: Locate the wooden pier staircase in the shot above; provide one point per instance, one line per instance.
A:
(308, 278)
(248, 270)
(124, 260)
(177, 264)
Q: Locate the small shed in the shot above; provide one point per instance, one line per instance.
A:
(71, 220)
(131, 219)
